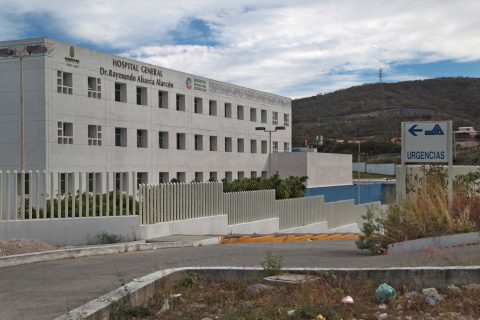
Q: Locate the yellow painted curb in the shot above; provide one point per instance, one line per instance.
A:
(287, 238)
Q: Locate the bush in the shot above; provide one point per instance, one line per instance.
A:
(272, 266)
(372, 228)
(291, 187)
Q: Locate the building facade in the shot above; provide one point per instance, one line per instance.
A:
(86, 111)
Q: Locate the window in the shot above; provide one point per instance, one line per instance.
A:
(180, 102)
(180, 141)
(228, 176)
(253, 146)
(263, 115)
(240, 112)
(228, 144)
(286, 120)
(197, 105)
(275, 118)
(181, 176)
(66, 183)
(253, 174)
(162, 99)
(94, 135)
(142, 96)
(120, 137)
(228, 110)
(240, 145)
(94, 88)
(121, 181)
(286, 147)
(142, 138)
(163, 177)
(198, 176)
(64, 82)
(264, 174)
(275, 147)
(65, 133)
(163, 140)
(198, 142)
(94, 182)
(120, 92)
(240, 175)
(213, 176)
(264, 146)
(212, 107)
(142, 178)
(253, 114)
(213, 143)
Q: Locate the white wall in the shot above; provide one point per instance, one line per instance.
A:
(322, 169)
(378, 168)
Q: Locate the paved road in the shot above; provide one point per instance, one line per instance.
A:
(48, 289)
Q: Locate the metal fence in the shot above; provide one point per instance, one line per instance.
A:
(179, 201)
(51, 195)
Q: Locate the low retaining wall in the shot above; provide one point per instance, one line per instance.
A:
(138, 292)
(198, 226)
(262, 227)
(319, 227)
(69, 231)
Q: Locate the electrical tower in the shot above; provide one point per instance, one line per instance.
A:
(380, 75)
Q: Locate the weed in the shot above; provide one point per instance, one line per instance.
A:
(272, 266)
(189, 279)
(371, 229)
(106, 238)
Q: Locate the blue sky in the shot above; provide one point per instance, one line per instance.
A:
(293, 48)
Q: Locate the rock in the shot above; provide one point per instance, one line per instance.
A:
(412, 294)
(399, 307)
(454, 290)
(472, 286)
(432, 297)
(408, 318)
(382, 306)
(409, 304)
(347, 300)
(383, 316)
(291, 313)
(207, 318)
(320, 317)
(175, 295)
(257, 288)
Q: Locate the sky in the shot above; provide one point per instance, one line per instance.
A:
(293, 48)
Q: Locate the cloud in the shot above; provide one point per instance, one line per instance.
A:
(290, 48)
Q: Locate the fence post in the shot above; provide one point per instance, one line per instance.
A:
(1, 196)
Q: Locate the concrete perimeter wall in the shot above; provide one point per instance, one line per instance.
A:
(71, 231)
(387, 169)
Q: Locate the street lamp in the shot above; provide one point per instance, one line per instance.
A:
(270, 142)
(20, 53)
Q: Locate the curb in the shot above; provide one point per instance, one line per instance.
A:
(27, 258)
(439, 242)
(279, 237)
(143, 288)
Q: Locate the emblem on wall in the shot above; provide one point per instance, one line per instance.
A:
(188, 83)
(72, 52)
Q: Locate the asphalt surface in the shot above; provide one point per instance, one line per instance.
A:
(47, 290)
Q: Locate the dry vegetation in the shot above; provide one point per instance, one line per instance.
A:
(230, 300)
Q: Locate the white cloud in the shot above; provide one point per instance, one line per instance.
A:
(290, 48)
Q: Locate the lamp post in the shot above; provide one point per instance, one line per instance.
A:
(20, 53)
(270, 142)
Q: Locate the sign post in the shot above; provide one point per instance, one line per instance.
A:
(428, 142)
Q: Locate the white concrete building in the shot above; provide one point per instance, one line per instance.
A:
(93, 112)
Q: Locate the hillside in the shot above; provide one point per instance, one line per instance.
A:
(376, 110)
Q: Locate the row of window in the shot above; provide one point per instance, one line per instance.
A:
(65, 85)
(65, 136)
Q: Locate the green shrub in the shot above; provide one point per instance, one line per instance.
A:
(370, 238)
(291, 187)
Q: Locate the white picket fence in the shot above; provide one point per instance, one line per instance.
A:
(180, 201)
(51, 195)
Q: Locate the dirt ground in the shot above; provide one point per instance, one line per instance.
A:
(11, 247)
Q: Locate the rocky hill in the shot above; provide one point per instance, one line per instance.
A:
(376, 110)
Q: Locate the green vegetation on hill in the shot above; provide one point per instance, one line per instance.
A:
(376, 110)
